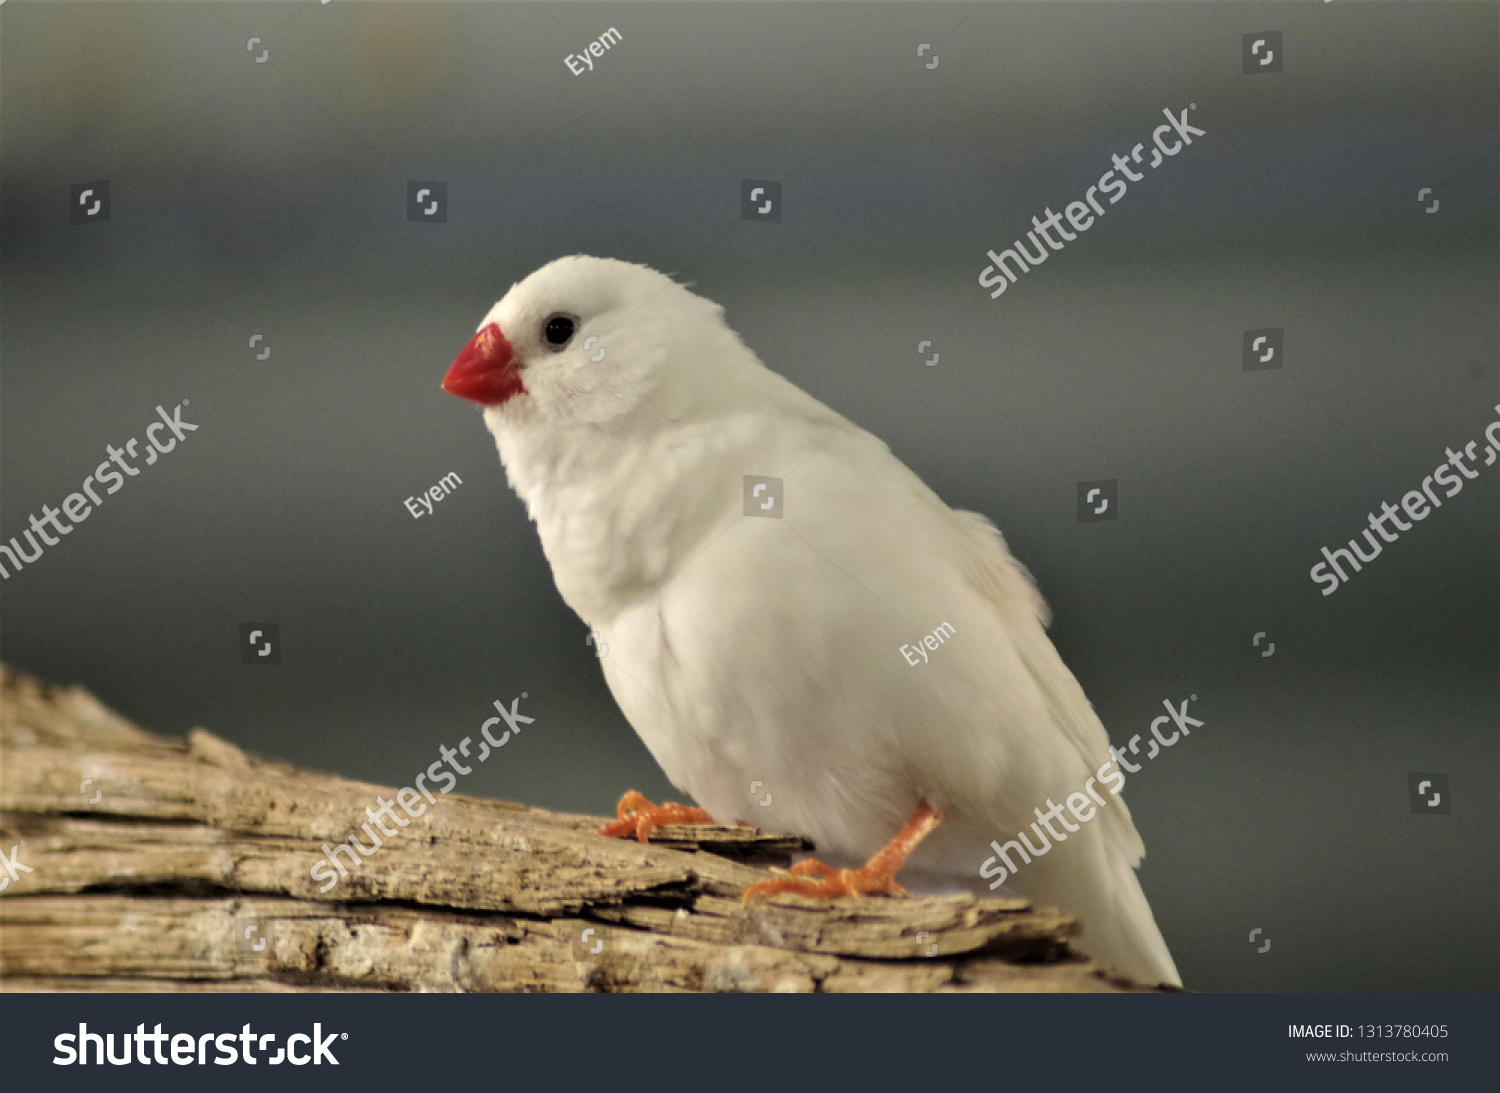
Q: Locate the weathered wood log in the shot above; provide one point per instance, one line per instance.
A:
(148, 864)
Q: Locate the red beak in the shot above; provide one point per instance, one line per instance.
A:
(485, 370)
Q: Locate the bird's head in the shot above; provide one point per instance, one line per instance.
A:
(584, 340)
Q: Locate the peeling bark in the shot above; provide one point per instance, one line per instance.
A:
(159, 865)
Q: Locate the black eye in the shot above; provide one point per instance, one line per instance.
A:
(558, 330)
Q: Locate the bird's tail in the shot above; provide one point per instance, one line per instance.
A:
(1118, 929)
(1129, 938)
(1089, 876)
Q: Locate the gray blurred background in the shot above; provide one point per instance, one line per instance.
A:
(271, 198)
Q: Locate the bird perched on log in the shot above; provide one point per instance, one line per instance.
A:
(759, 568)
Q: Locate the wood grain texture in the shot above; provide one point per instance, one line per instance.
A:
(151, 858)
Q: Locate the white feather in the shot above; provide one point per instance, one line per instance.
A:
(747, 650)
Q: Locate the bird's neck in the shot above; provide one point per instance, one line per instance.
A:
(617, 513)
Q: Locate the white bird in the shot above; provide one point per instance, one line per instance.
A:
(767, 663)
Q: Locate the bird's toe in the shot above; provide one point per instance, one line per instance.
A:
(639, 817)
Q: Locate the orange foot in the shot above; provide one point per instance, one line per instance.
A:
(638, 816)
(876, 875)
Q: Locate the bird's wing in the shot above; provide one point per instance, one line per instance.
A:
(1119, 926)
(1009, 586)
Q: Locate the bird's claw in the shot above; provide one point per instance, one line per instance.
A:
(639, 817)
(831, 883)
(878, 875)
